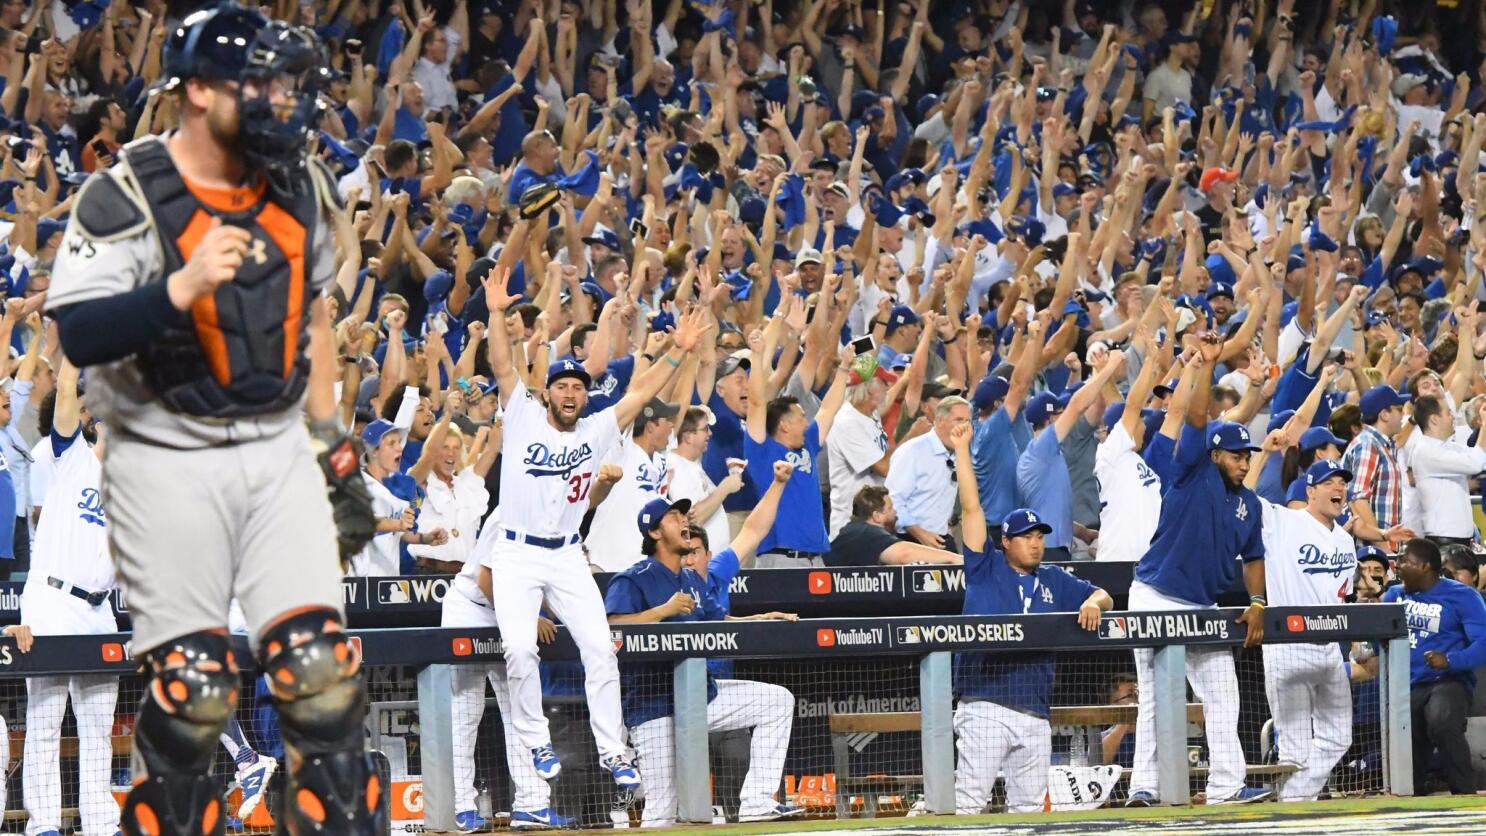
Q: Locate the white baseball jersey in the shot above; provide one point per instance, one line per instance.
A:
(1129, 498)
(613, 538)
(381, 556)
(40, 477)
(690, 481)
(546, 473)
(1305, 562)
(72, 540)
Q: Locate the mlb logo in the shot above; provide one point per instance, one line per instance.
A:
(393, 592)
(1113, 628)
(1295, 623)
(617, 638)
(819, 583)
(355, 642)
(825, 638)
(113, 652)
(463, 646)
(928, 580)
(910, 635)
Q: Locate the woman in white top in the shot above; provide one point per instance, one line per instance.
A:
(455, 495)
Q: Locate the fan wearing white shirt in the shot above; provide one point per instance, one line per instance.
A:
(690, 481)
(859, 449)
(455, 496)
(1129, 489)
(1442, 469)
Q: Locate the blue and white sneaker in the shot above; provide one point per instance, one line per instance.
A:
(1247, 795)
(780, 811)
(470, 821)
(544, 760)
(1142, 798)
(624, 772)
(543, 819)
(253, 779)
(234, 825)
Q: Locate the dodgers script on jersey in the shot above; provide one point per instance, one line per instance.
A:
(1306, 564)
(546, 473)
(72, 538)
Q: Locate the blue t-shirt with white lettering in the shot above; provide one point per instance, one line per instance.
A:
(1023, 681)
(1203, 526)
(995, 446)
(610, 386)
(1044, 486)
(645, 687)
(800, 524)
(1449, 618)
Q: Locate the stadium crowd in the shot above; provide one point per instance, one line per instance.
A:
(1046, 236)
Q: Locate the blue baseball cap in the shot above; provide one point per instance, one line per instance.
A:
(1379, 398)
(1325, 469)
(1021, 521)
(1369, 552)
(1278, 419)
(568, 367)
(926, 102)
(604, 238)
(990, 389)
(1219, 288)
(1316, 437)
(1230, 436)
(901, 315)
(1115, 411)
(372, 435)
(1064, 189)
(1043, 406)
(650, 516)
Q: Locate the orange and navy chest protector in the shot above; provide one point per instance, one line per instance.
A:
(241, 350)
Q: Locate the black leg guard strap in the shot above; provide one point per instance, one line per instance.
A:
(191, 695)
(314, 676)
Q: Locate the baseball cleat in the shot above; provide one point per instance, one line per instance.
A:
(470, 821)
(544, 760)
(253, 779)
(1142, 798)
(543, 819)
(624, 772)
(1247, 795)
(780, 811)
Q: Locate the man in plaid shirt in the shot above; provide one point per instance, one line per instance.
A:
(1376, 492)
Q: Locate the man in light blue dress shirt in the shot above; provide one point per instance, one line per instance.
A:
(921, 478)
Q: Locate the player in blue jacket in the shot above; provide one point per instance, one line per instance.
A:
(1447, 642)
(1001, 721)
(1208, 519)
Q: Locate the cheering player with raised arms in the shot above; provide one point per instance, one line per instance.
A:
(549, 458)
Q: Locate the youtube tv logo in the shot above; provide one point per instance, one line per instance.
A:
(463, 646)
(819, 583)
(1295, 624)
(825, 638)
(112, 652)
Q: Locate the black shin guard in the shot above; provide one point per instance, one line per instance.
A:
(314, 676)
(191, 695)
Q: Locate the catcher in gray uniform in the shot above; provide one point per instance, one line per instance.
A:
(188, 285)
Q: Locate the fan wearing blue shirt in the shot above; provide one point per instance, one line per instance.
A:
(661, 589)
(777, 430)
(1002, 431)
(1447, 642)
(1208, 518)
(1001, 721)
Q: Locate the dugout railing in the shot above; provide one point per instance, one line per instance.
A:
(410, 669)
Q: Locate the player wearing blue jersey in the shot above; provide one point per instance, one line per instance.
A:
(1207, 519)
(1447, 642)
(1001, 719)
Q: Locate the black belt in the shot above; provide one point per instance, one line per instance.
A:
(542, 542)
(795, 553)
(93, 598)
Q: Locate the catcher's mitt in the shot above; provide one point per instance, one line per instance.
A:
(355, 524)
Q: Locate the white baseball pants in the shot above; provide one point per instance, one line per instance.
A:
(740, 704)
(1215, 682)
(521, 576)
(992, 740)
(530, 791)
(1310, 699)
(52, 612)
